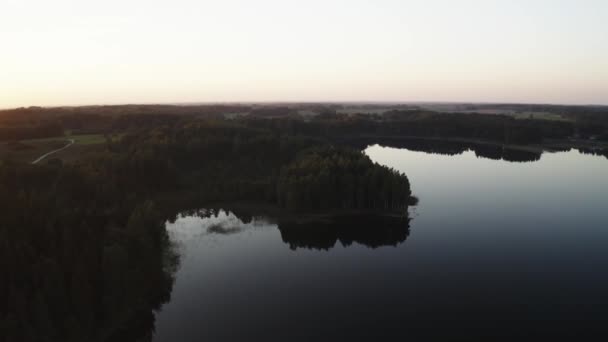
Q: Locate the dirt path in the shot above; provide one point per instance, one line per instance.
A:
(70, 143)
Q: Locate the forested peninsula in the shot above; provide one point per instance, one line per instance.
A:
(89, 255)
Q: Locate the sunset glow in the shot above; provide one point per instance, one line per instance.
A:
(74, 52)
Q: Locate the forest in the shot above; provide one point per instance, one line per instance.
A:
(330, 178)
(84, 251)
(76, 263)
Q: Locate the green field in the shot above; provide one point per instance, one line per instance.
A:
(31, 149)
(87, 139)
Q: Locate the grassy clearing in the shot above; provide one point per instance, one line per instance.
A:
(27, 151)
(81, 139)
(87, 139)
(43, 140)
(31, 149)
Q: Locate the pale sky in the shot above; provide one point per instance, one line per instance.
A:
(65, 52)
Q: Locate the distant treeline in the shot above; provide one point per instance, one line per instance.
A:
(583, 122)
(495, 128)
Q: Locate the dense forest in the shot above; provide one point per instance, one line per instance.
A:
(84, 250)
(76, 264)
(330, 178)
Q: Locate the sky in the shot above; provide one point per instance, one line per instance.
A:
(76, 52)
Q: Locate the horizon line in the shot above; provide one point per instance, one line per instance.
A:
(362, 102)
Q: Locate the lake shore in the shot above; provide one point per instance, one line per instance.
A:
(549, 145)
(175, 203)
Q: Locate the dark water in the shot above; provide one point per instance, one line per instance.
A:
(494, 249)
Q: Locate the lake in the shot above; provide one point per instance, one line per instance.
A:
(494, 249)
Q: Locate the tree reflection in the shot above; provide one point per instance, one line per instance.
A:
(372, 231)
(503, 153)
(594, 151)
(452, 148)
(109, 292)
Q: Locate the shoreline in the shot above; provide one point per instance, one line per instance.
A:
(550, 145)
(180, 202)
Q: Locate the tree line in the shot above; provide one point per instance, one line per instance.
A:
(581, 121)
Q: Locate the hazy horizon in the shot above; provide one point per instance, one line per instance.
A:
(70, 53)
(363, 103)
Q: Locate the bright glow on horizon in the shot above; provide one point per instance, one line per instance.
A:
(70, 52)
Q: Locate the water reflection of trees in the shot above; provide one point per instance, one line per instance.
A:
(311, 232)
(594, 151)
(368, 230)
(451, 148)
(481, 150)
(507, 154)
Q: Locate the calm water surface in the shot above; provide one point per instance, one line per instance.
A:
(494, 249)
